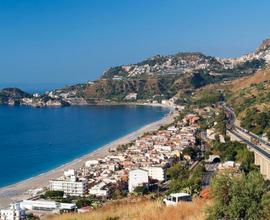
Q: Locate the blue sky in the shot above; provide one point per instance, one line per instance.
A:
(71, 41)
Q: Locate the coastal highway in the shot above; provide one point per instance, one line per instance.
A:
(256, 147)
(232, 120)
(252, 140)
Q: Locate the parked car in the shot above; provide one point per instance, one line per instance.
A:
(174, 198)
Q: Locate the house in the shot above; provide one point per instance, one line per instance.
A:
(70, 172)
(131, 96)
(172, 128)
(13, 213)
(70, 185)
(162, 148)
(167, 102)
(156, 173)
(90, 163)
(100, 190)
(137, 177)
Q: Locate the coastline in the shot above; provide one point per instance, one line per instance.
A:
(18, 191)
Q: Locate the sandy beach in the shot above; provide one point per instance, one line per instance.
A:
(19, 190)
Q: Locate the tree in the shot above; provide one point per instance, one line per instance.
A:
(52, 194)
(239, 196)
(221, 120)
(190, 151)
(187, 181)
(141, 190)
(246, 158)
(177, 171)
(82, 202)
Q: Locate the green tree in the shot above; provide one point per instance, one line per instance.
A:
(239, 196)
(190, 182)
(141, 190)
(246, 158)
(221, 120)
(190, 151)
(82, 202)
(177, 171)
(53, 194)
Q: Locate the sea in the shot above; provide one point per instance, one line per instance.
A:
(36, 140)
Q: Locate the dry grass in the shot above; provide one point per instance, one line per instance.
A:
(143, 210)
(243, 82)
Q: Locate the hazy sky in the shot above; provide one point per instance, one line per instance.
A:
(70, 41)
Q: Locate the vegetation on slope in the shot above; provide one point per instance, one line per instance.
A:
(142, 210)
(12, 93)
(251, 102)
(184, 180)
(239, 196)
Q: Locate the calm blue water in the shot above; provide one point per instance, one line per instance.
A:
(34, 140)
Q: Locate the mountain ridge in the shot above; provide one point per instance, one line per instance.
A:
(159, 77)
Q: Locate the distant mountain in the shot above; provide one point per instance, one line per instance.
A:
(162, 77)
(14, 96)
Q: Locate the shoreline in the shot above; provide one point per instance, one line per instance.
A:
(18, 191)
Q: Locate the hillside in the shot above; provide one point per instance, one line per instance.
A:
(250, 99)
(162, 77)
(12, 95)
(258, 77)
(143, 210)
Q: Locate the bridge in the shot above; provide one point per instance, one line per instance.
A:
(256, 144)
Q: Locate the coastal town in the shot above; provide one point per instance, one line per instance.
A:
(170, 161)
(128, 169)
(134, 110)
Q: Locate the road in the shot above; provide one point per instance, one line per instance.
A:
(261, 145)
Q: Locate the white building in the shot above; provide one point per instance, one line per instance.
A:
(90, 163)
(48, 206)
(100, 190)
(69, 173)
(167, 102)
(156, 173)
(131, 96)
(137, 177)
(70, 186)
(162, 148)
(13, 213)
(172, 128)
